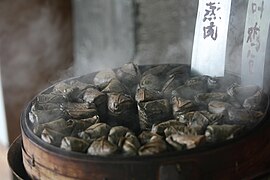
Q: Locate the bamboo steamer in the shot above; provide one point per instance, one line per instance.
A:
(246, 156)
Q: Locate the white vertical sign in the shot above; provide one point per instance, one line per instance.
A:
(210, 39)
(255, 42)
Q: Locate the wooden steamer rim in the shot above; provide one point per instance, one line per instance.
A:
(243, 156)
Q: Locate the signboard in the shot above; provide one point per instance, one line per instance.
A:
(210, 39)
(255, 42)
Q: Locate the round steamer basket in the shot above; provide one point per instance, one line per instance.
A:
(246, 156)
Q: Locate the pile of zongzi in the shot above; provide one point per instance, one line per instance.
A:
(144, 111)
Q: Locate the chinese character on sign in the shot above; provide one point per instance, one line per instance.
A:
(251, 58)
(211, 30)
(253, 35)
(259, 8)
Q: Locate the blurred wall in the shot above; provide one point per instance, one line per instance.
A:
(35, 48)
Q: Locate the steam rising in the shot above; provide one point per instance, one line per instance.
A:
(104, 36)
(107, 38)
(163, 33)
